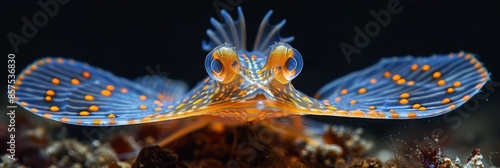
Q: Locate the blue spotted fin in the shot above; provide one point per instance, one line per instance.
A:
(407, 87)
(76, 93)
(234, 31)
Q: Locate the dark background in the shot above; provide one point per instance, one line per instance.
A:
(127, 37)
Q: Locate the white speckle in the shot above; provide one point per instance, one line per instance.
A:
(260, 105)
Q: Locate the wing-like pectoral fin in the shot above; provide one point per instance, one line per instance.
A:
(76, 93)
(406, 87)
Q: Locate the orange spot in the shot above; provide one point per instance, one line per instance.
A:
(79, 122)
(157, 108)
(124, 90)
(48, 60)
(405, 95)
(456, 84)
(24, 104)
(47, 115)
(110, 87)
(414, 67)
(56, 81)
(468, 56)
(473, 61)
(372, 113)
(88, 97)
(481, 70)
(48, 98)
(112, 122)
(394, 115)
(40, 62)
(105, 93)
(461, 54)
(59, 60)
(33, 110)
(64, 119)
(96, 122)
(466, 97)
(50, 93)
(387, 74)
(337, 99)
(352, 102)
(416, 106)
(484, 74)
(33, 67)
(446, 100)
(479, 86)
(450, 90)
(332, 108)
(401, 81)
(18, 82)
(441, 82)
(396, 77)
(452, 107)
(54, 108)
(179, 106)
(27, 72)
(426, 67)
(410, 83)
(142, 97)
(422, 108)
(75, 81)
(411, 115)
(343, 91)
(86, 74)
(477, 65)
(362, 91)
(111, 116)
(372, 107)
(392, 111)
(436, 75)
(84, 113)
(403, 101)
(93, 108)
(143, 107)
(21, 77)
(373, 81)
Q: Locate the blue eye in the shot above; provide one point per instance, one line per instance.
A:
(216, 66)
(291, 64)
(294, 63)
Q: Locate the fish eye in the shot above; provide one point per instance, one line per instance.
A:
(221, 63)
(216, 66)
(291, 64)
(286, 60)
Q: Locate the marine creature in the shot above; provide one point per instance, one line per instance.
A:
(248, 85)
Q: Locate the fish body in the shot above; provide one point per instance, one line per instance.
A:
(249, 84)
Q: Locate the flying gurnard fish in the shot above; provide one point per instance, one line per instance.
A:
(249, 85)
